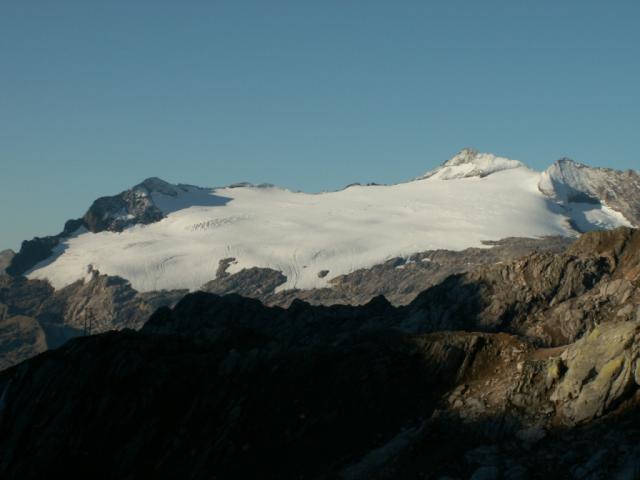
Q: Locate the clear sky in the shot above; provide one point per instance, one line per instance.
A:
(97, 95)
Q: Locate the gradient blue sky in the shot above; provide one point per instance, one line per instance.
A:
(96, 96)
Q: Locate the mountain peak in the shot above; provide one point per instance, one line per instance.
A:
(466, 155)
(471, 163)
(157, 185)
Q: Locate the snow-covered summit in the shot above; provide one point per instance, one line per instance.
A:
(163, 236)
(471, 163)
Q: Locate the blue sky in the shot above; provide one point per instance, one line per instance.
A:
(96, 96)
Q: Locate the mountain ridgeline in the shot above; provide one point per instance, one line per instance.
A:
(477, 197)
(481, 321)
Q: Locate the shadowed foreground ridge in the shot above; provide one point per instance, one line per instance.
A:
(524, 369)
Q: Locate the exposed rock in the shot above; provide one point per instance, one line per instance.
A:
(98, 304)
(134, 206)
(400, 280)
(250, 282)
(600, 371)
(20, 338)
(572, 182)
(114, 213)
(552, 298)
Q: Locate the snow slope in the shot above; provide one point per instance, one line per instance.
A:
(460, 205)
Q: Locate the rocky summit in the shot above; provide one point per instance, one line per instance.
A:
(526, 368)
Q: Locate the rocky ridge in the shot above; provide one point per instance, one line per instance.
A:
(112, 213)
(571, 182)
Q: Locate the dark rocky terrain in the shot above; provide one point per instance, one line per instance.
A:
(527, 368)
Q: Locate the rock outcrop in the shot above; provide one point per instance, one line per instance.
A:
(114, 213)
(571, 182)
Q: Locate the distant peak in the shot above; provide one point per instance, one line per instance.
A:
(466, 155)
(472, 163)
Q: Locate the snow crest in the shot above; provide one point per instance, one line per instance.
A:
(471, 163)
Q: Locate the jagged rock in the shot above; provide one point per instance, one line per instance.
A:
(114, 213)
(133, 206)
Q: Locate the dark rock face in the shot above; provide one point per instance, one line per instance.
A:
(134, 206)
(115, 213)
(457, 384)
(31, 253)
